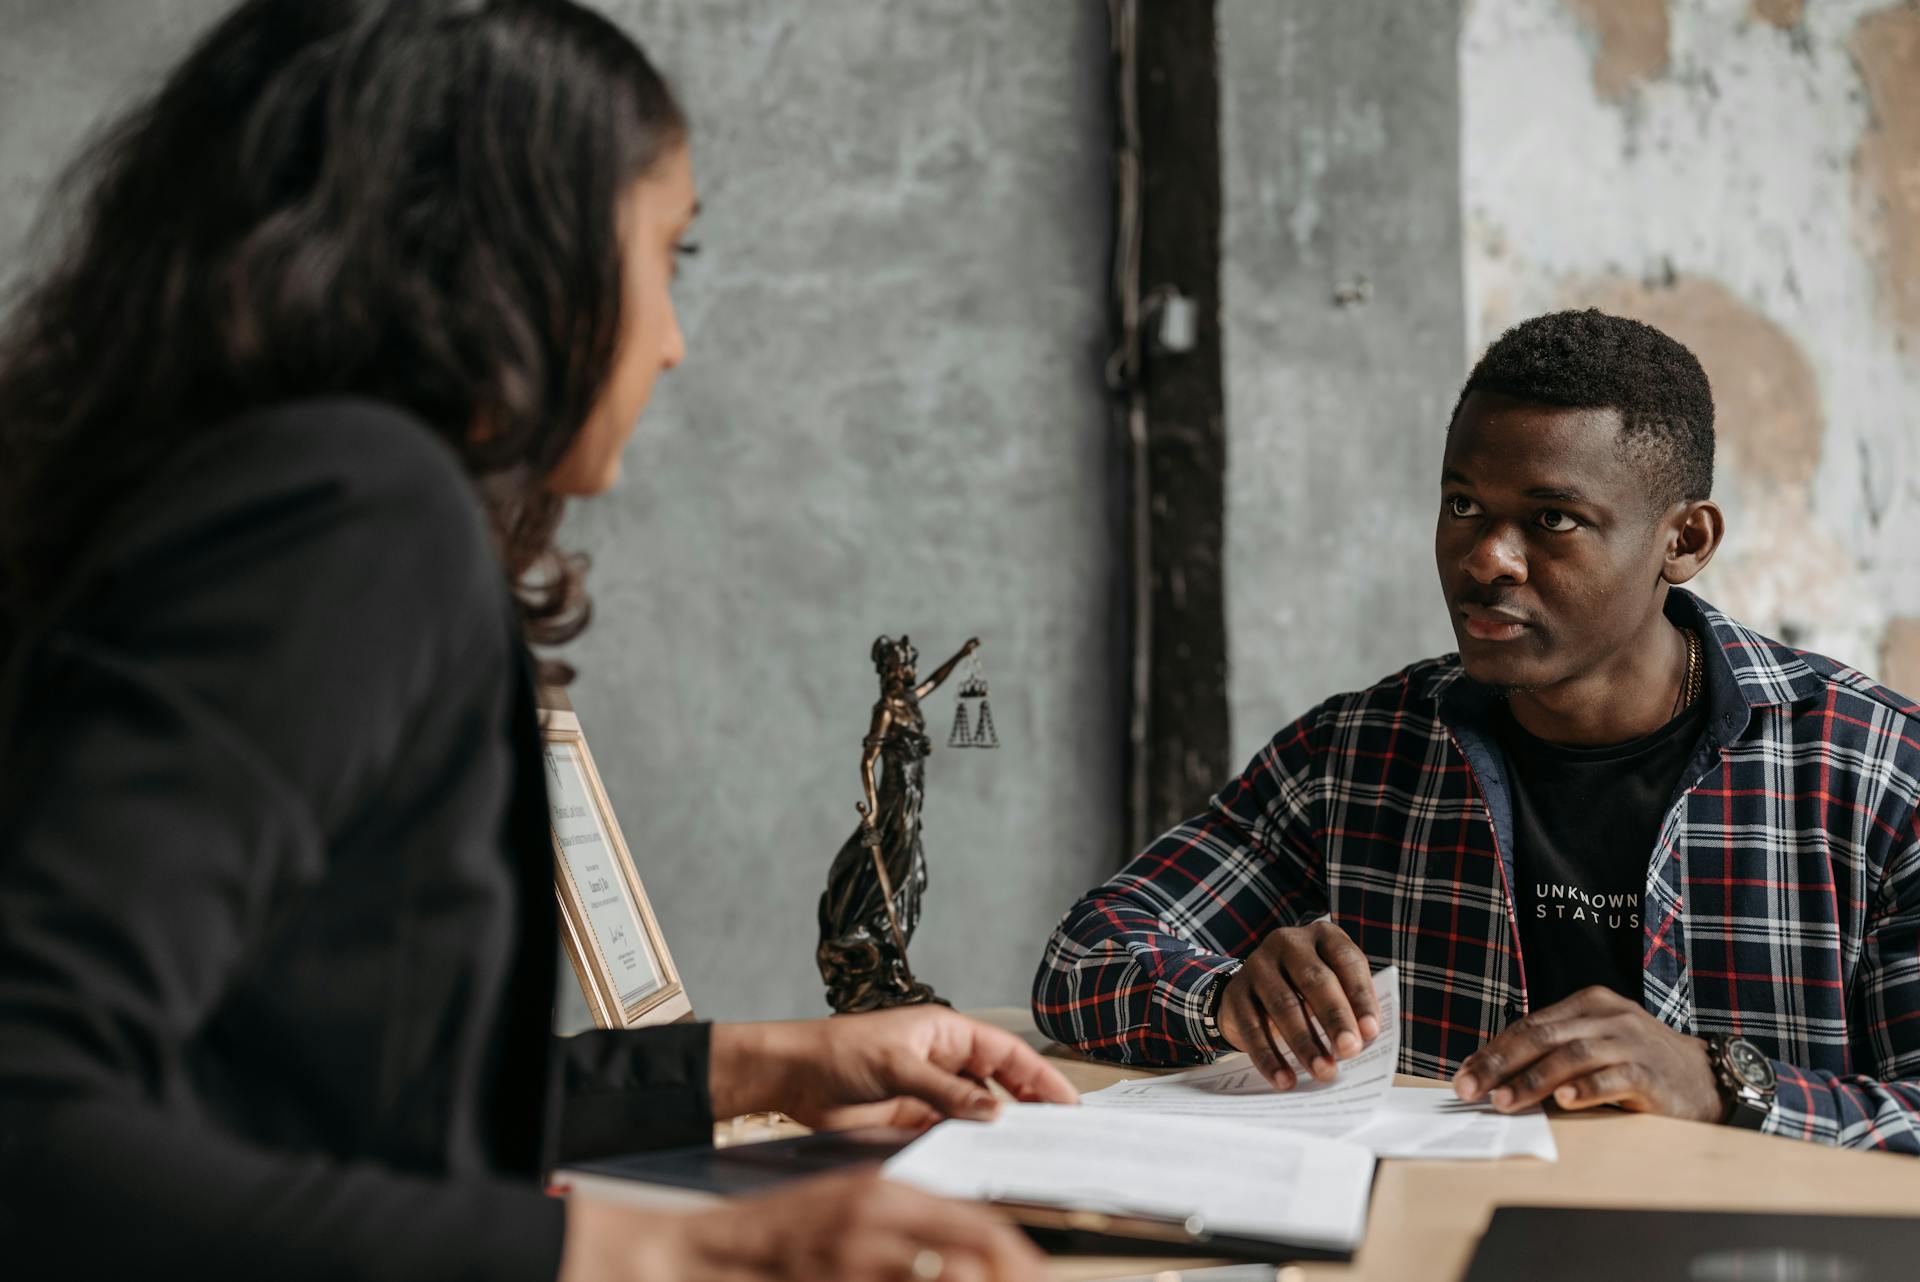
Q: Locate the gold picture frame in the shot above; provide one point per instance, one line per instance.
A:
(607, 924)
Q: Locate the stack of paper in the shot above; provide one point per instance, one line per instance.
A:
(1219, 1150)
(1362, 1104)
(1200, 1173)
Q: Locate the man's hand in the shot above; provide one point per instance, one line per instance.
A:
(854, 1226)
(908, 1067)
(1596, 1047)
(1296, 972)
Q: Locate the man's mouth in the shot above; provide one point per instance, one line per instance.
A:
(1483, 624)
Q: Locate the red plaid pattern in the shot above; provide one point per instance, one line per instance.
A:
(1782, 896)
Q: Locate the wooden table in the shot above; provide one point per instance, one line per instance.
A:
(1427, 1216)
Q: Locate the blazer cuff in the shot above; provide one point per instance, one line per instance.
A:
(625, 1090)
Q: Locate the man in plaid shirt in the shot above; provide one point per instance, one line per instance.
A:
(1622, 849)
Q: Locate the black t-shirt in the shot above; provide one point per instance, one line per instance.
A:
(1584, 824)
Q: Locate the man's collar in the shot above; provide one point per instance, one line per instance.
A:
(1449, 683)
(1744, 671)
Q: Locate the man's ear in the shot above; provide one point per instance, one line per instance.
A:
(1693, 531)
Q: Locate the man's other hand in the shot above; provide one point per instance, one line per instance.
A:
(1596, 1047)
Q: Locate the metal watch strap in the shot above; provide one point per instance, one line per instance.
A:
(1747, 1107)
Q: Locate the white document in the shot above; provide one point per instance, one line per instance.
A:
(1361, 1104)
(1233, 1089)
(1431, 1124)
(1212, 1175)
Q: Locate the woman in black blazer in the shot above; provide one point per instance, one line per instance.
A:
(348, 310)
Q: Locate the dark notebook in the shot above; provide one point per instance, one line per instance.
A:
(1527, 1243)
(752, 1168)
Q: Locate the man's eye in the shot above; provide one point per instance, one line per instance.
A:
(1556, 520)
(1461, 505)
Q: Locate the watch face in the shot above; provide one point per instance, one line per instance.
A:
(1749, 1065)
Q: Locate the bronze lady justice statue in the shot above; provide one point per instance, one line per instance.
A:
(872, 900)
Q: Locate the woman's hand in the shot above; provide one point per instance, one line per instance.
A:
(906, 1067)
(855, 1227)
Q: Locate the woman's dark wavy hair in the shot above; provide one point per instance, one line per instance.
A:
(411, 200)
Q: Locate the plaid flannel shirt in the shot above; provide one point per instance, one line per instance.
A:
(1782, 896)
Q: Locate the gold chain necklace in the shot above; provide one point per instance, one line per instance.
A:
(1696, 676)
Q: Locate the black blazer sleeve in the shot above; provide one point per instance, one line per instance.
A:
(632, 1089)
(234, 691)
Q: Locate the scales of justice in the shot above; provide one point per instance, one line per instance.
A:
(872, 901)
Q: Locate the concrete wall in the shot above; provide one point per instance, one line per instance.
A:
(890, 420)
(64, 65)
(1344, 341)
(1743, 175)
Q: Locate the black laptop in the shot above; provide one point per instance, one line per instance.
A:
(1529, 1243)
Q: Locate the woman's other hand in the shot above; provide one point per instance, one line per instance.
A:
(910, 1067)
(854, 1227)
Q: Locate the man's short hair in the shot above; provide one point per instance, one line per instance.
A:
(1590, 360)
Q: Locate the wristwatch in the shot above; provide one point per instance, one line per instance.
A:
(1746, 1080)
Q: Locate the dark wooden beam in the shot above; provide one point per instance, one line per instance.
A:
(1176, 413)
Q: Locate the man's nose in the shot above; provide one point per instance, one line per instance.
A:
(1497, 556)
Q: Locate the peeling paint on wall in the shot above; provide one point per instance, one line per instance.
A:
(1632, 37)
(1717, 204)
(1781, 13)
(1778, 562)
(1766, 402)
(1900, 656)
(1887, 47)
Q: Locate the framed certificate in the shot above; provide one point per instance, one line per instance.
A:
(606, 923)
